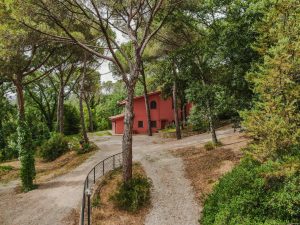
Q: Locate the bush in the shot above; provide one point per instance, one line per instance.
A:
(255, 193)
(71, 120)
(134, 194)
(85, 148)
(54, 147)
(210, 145)
(6, 168)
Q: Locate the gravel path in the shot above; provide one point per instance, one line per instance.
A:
(53, 200)
(172, 198)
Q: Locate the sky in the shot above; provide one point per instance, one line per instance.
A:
(104, 68)
(107, 75)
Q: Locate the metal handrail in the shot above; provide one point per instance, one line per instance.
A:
(115, 162)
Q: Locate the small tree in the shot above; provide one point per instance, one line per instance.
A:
(274, 121)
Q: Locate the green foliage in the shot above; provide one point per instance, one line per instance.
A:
(72, 120)
(6, 168)
(85, 148)
(197, 120)
(255, 193)
(215, 94)
(210, 145)
(8, 127)
(113, 93)
(54, 147)
(134, 194)
(39, 129)
(96, 202)
(26, 156)
(274, 121)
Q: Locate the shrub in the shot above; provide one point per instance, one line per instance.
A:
(134, 194)
(255, 193)
(210, 145)
(26, 156)
(6, 168)
(197, 120)
(85, 148)
(71, 120)
(96, 202)
(54, 147)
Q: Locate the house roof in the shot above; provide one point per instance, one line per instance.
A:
(141, 96)
(116, 117)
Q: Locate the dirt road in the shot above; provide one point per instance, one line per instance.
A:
(173, 199)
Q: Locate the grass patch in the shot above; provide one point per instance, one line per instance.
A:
(103, 133)
(105, 211)
(203, 168)
(46, 170)
(6, 168)
(8, 173)
(62, 165)
(169, 130)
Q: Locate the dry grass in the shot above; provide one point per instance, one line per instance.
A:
(105, 213)
(204, 168)
(47, 170)
(72, 218)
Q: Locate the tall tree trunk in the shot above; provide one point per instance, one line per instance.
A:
(20, 99)
(2, 139)
(81, 96)
(127, 136)
(211, 124)
(175, 107)
(183, 110)
(60, 107)
(91, 125)
(209, 111)
(146, 97)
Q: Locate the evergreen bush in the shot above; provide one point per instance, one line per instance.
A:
(210, 145)
(54, 147)
(71, 120)
(26, 156)
(256, 193)
(134, 194)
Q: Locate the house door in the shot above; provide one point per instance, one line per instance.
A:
(163, 124)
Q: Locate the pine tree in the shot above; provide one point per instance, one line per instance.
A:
(274, 121)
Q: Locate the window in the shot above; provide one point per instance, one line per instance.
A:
(153, 105)
(140, 124)
(153, 124)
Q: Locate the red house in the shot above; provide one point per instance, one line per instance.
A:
(161, 111)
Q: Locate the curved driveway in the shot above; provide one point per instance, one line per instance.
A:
(172, 197)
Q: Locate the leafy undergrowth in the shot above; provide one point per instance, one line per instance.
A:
(210, 145)
(256, 193)
(105, 210)
(46, 170)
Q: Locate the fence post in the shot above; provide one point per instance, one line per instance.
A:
(82, 209)
(94, 176)
(88, 192)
